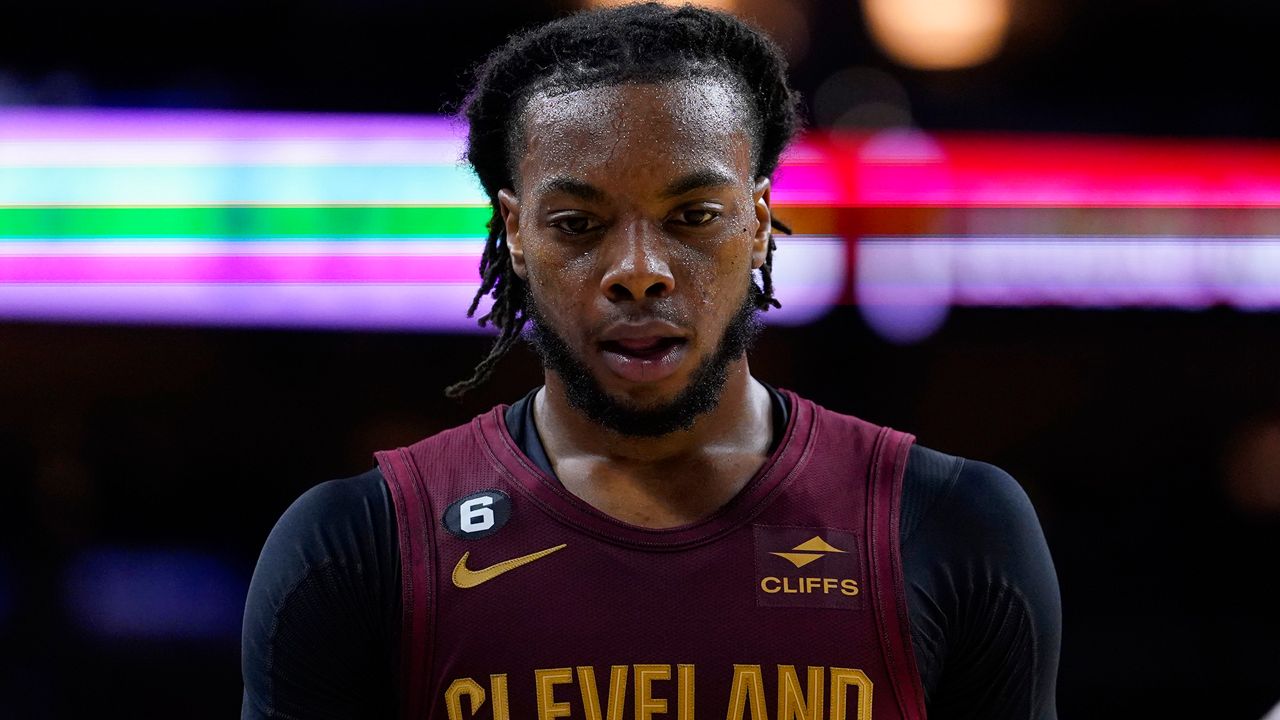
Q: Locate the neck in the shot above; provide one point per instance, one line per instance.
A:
(662, 481)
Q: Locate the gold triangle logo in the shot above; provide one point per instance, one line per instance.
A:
(798, 559)
(817, 544)
(811, 550)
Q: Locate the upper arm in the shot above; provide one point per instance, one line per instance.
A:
(321, 619)
(985, 596)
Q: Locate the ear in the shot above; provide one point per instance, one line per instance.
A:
(764, 218)
(509, 207)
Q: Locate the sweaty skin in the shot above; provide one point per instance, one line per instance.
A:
(637, 211)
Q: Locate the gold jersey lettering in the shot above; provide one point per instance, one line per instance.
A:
(808, 585)
(498, 691)
(684, 692)
(591, 692)
(841, 680)
(792, 703)
(646, 703)
(747, 690)
(843, 693)
(458, 689)
(547, 680)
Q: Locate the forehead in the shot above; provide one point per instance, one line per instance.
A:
(635, 132)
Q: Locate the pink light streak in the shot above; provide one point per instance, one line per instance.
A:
(897, 168)
(238, 269)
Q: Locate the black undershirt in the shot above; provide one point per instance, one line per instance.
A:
(321, 636)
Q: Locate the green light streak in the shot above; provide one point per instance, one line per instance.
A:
(240, 222)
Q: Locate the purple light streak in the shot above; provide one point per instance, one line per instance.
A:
(112, 124)
(358, 292)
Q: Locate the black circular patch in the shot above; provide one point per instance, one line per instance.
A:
(477, 515)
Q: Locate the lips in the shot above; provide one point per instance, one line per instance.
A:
(646, 353)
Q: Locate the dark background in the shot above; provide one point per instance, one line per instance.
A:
(1148, 440)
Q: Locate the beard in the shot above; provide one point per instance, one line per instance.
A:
(701, 395)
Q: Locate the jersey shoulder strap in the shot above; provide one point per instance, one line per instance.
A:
(412, 507)
(884, 515)
(878, 457)
(454, 452)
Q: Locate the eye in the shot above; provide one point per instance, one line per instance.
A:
(697, 216)
(574, 224)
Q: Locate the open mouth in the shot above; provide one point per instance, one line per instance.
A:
(645, 359)
(651, 348)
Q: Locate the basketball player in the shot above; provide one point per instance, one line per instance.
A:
(653, 533)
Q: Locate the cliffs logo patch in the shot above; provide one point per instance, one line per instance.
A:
(806, 552)
(477, 515)
(807, 567)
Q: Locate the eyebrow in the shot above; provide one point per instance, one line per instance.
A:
(696, 180)
(685, 183)
(572, 186)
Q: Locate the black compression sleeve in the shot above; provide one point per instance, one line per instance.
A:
(322, 620)
(982, 594)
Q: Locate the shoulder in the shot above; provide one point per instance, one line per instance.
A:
(346, 497)
(337, 527)
(330, 512)
(975, 547)
(976, 497)
(961, 515)
(324, 599)
(981, 587)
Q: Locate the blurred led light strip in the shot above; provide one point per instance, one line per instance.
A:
(906, 286)
(911, 169)
(263, 219)
(346, 221)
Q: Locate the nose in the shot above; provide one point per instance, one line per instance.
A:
(638, 267)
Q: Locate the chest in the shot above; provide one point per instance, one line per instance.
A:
(550, 621)
(523, 601)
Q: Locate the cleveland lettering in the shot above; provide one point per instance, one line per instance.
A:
(656, 691)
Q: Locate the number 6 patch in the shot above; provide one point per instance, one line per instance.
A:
(477, 515)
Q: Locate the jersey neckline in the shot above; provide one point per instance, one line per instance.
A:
(557, 501)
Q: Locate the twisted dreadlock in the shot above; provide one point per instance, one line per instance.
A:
(646, 43)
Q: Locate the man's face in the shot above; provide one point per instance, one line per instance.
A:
(636, 223)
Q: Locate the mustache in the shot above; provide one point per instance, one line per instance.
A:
(657, 310)
(671, 316)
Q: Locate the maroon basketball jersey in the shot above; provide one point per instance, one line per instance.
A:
(522, 602)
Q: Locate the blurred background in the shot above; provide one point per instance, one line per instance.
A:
(236, 247)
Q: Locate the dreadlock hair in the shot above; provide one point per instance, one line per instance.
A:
(642, 43)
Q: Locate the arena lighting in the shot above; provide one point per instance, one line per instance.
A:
(370, 222)
(906, 285)
(154, 594)
(938, 34)
(361, 285)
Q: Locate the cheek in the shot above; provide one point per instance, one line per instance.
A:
(560, 269)
(561, 281)
(718, 272)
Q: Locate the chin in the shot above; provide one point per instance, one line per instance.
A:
(644, 396)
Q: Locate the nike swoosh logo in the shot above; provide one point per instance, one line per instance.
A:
(465, 577)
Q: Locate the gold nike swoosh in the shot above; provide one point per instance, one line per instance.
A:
(465, 577)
